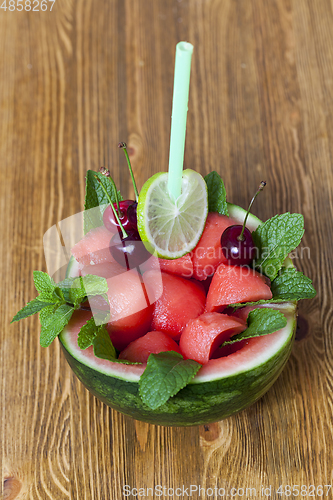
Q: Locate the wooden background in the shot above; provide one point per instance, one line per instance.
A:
(73, 83)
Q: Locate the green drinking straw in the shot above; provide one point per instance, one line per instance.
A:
(178, 119)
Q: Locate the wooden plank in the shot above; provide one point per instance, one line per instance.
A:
(75, 82)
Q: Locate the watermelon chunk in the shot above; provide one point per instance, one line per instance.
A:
(151, 343)
(181, 267)
(203, 335)
(105, 270)
(94, 247)
(234, 284)
(208, 254)
(131, 312)
(181, 300)
(130, 309)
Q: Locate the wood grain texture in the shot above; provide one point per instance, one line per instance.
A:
(76, 81)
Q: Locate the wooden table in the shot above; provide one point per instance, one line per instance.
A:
(74, 82)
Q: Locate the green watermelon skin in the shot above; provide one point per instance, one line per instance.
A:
(196, 404)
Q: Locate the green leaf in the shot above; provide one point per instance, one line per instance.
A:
(103, 347)
(73, 290)
(45, 313)
(95, 196)
(292, 285)
(217, 198)
(43, 283)
(274, 239)
(165, 375)
(59, 295)
(239, 305)
(47, 288)
(76, 290)
(65, 287)
(87, 334)
(95, 285)
(261, 321)
(33, 307)
(54, 325)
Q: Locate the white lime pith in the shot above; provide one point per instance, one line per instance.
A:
(172, 228)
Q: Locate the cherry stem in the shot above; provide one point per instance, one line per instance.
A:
(261, 187)
(104, 171)
(125, 235)
(123, 146)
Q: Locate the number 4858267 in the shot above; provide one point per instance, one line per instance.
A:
(33, 5)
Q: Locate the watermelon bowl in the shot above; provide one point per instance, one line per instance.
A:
(222, 387)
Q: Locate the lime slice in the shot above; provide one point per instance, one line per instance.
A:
(172, 228)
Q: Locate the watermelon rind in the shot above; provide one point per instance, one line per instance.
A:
(208, 398)
(218, 391)
(238, 214)
(72, 268)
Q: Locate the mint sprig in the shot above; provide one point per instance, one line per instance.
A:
(98, 337)
(261, 321)
(274, 239)
(288, 286)
(56, 302)
(217, 198)
(97, 197)
(165, 375)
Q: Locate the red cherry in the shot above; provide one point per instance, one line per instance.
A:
(129, 252)
(236, 241)
(238, 250)
(132, 216)
(109, 219)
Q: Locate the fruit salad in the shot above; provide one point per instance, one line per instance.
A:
(172, 326)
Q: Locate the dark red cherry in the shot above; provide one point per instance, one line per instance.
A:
(131, 215)
(239, 251)
(129, 252)
(109, 219)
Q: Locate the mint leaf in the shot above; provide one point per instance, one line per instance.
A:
(165, 375)
(239, 305)
(90, 334)
(47, 288)
(292, 285)
(95, 196)
(261, 321)
(87, 334)
(65, 287)
(75, 290)
(95, 285)
(103, 347)
(217, 198)
(274, 239)
(46, 312)
(54, 325)
(58, 295)
(33, 307)
(43, 282)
